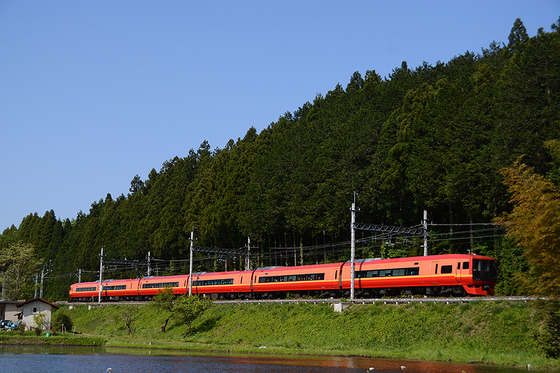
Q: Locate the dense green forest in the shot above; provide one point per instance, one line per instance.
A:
(429, 138)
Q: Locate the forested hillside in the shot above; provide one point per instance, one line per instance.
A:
(429, 138)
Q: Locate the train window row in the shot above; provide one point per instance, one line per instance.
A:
(87, 289)
(228, 281)
(161, 285)
(389, 272)
(308, 277)
(114, 287)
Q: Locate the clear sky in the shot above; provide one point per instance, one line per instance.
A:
(94, 92)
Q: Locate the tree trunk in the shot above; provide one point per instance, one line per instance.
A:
(188, 331)
(164, 325)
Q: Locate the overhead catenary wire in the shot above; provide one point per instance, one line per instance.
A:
(166, 266)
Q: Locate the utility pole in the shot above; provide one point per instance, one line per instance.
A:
(42, 277)
(425, 224)
(149, 264)
(191, 261)
(100, 275)
(43, 273)
(352, 247)
(36, 284)
(248, 261)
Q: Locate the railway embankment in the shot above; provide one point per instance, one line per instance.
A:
(508, 333)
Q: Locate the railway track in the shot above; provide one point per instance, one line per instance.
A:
(335, 301)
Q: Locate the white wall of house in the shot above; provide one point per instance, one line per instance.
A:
(33, 309)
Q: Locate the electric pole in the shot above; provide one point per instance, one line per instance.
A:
(248, 262)
(100, 275)
(352, 247)
(425, 224)
(191, 261)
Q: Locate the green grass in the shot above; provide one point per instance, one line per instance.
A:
(29, 338)
(501, 333)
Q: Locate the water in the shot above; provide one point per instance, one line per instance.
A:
(38, 359)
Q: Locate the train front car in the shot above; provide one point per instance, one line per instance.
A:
(84, 291)
(277, 282)
(150, 286)
(223, 285)
(451, 274)
(483, 276)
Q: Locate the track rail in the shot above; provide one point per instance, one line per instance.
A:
(355, 301)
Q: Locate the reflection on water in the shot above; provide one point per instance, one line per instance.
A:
(53, 359)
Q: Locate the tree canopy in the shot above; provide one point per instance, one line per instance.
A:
(534, 223)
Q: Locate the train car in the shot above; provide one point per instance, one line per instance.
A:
(276, 282)
(115, 290)
(150, 286)
(222, 285)
(84, 291)
(452, 274)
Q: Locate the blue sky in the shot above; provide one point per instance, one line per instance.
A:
(94, 92)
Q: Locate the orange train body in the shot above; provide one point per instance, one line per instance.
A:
(451, 274)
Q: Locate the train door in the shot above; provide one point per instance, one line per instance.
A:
(434, 273)
(458, 273)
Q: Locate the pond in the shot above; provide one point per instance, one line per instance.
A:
(38, 359)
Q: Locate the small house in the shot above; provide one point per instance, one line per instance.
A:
(33, 308)
(9, 310)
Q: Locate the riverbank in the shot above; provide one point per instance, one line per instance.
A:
(500, 333)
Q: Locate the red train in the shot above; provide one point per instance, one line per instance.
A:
(452, 274)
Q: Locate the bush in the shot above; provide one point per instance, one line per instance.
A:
(61, 322)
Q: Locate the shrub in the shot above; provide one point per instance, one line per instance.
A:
(61, 322)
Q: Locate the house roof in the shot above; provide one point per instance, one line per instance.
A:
(10, 301)
(37, 300)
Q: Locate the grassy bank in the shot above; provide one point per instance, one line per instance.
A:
(503, 333)
(30, 339)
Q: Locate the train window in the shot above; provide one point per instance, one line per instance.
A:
(87, 289)
(160, 285)
(465, 265)
(115, 287)
(413, 271)
(309, 277)
(228, 281)
(447, 269)
(436, 268)
(335, 273)
(458, 265)
(484, 270)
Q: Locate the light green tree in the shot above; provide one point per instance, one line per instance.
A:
(18, 265)
(188, 308)
(164, 302)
